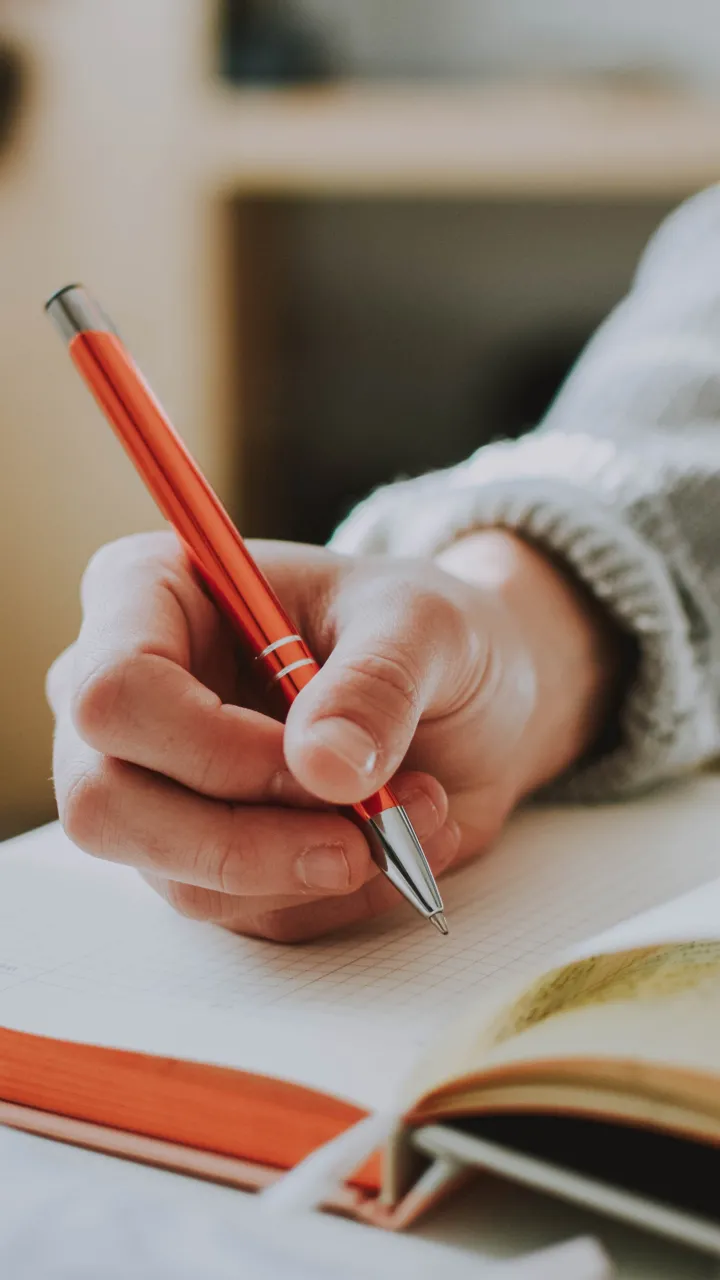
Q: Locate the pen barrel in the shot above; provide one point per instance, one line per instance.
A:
(188, 502)
(382, 800)
(213, 544)
(224, 564)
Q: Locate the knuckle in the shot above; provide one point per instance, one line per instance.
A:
(83, 808)
(191, 901)
(279, 926)
(440, 624)
(229, 858)
(436, 614)
(387, 683)
(100, 562)
(214, 768)
(100, 702)
(129, 550)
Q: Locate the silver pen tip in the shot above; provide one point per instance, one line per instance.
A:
(440, 923)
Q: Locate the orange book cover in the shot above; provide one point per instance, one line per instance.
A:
(260, 1121)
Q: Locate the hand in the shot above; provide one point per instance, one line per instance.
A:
(469, 682)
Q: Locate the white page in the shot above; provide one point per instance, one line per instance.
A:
(87, 952)
(693, 917)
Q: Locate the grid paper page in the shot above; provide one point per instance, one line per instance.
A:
(88, 952)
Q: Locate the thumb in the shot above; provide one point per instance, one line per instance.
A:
(349, 730)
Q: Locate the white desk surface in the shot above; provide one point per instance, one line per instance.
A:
(67, 1214)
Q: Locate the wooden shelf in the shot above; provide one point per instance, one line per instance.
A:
(497, 140)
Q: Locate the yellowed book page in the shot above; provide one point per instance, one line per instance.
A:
(639, 997)
(88, 952)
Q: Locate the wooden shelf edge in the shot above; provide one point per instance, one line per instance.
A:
(493, 140)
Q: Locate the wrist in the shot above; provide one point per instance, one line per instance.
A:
(579, 655)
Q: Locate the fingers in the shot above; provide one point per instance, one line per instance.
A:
(131, 692)
(293, 920)
(403, 651)
(124, 813)
(163, 720)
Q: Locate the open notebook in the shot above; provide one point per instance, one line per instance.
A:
(112, 1007)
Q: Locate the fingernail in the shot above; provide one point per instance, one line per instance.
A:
(422, 813)
(324, 868)
(347, 741)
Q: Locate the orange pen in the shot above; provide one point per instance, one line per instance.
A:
(222, 560)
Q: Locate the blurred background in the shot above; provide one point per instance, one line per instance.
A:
(347, 240)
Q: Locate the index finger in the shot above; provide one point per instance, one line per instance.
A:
(134, 692)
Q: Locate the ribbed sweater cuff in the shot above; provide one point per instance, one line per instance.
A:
(665, 725)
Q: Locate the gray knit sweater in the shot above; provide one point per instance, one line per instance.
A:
(622, 479)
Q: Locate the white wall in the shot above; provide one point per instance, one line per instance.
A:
(463, 37)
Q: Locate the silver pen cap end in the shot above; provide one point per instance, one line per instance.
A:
(73, 311)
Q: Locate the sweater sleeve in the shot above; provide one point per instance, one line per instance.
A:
(622, 481)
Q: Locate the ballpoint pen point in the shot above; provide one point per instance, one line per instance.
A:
(440, 923)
